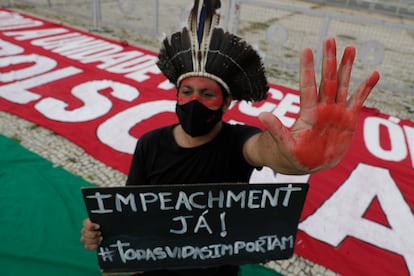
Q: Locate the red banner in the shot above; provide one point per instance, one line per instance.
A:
(103, 95)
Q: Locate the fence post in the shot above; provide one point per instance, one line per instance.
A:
(97, 15)
(234, 16)
(156, 17)
(9, 4)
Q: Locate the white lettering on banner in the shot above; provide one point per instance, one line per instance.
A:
(115, 131)
(342, 214)
(95, 104)
(40, 65)
(93, 48)
(166, 85)
(409, 132)
(76, 46)
(372, 139)
(112, 59)
(289, 103)
(249, 109)
(140, 75)
(10, 21)
(133, 65)
(9, 49)
(31, 34)
(18, 92)
(267, 175)
(86, 49)
(58, 40)
(64, 43)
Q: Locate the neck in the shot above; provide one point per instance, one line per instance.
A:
(187, 141)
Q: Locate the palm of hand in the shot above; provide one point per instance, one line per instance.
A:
(322, 135)
(327, 120)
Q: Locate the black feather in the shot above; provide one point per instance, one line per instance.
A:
(238, 65)
(219, 53)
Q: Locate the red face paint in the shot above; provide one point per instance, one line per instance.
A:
(204, 90)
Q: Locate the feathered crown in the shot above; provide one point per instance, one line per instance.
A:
(205, 50)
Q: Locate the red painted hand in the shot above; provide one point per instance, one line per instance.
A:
(327, 120)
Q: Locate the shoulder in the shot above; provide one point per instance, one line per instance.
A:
(157, 133)
(240, 130)
(154, 138)
(237, 134)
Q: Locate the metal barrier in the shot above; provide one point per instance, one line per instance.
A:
(279, 29)
(151, 18)
(402, 8)
(80, 9)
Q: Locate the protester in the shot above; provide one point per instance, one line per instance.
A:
(210, 68)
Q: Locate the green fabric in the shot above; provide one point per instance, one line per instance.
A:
(41, 212)
(257, 270)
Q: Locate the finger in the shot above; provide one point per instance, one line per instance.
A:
(91, 234)
(308, 90)
(86, 240)
(344, 74)
(363, 91)
(91, 240)
(329, 81)
(92, 246)
(89, 225)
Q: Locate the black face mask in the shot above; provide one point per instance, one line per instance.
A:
(196, 119)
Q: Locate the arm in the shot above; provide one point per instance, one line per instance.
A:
(327, 119)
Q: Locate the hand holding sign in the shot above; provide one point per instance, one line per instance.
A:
(90, 235)
(327, 120)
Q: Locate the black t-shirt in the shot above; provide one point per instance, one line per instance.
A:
(159, 160)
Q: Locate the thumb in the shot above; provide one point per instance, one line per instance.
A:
(279, 132)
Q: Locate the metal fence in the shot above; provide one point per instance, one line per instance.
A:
(401, 8)
(383, 31)
(145, 17)
(280, 30)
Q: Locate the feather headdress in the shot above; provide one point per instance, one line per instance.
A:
(203, 49)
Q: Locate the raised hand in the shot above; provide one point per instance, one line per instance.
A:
(327, 119)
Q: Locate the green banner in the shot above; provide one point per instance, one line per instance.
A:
(41, 213)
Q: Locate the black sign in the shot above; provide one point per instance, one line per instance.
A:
(183, 226)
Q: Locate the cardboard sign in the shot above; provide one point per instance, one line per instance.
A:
(185, 226)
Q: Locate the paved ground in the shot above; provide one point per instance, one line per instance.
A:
(65, 154)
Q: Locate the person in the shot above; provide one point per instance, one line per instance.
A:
(210, 69)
